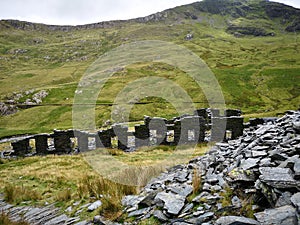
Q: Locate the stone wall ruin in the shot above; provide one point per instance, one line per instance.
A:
(204, 125)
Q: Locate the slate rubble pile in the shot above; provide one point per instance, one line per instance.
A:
(48, 215)
(259, 173)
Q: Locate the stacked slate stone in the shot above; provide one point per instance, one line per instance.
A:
(259, 173)
(48, 215)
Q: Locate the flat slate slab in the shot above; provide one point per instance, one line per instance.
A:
(173, 203)
(285, 215)
(278, 177)
(234, 220)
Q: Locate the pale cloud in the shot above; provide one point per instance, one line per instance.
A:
(73, 12)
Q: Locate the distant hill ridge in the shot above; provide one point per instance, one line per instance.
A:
(288, 16)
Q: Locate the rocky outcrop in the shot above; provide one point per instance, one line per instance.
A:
(294, 27)
(239, 31)
(7, 109)
(254, 176)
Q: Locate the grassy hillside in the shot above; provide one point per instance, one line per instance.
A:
(251, 46)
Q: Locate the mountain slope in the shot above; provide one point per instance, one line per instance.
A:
(251, 46)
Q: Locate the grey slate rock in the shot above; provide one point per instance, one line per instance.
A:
(188, 208)
(239, 174)
(98, 220)
(295, 199)
(82, 223)
(148, 200)
(236, 220)
(297, 169)
(173, 203)
(139, 212)
(60, 220)
(236, 202)
(285, 215)
(94, 206)
(205, 217)
(256, 154)
(181, 189)
(160, 216)
(284, 199)
(131, 200)
(249, 163)
(277, 177)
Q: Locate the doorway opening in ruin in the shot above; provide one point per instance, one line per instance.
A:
(91, 143)
(170, 136)
(74, 143)
(228, 135)
(153, 137)
(114, 142)
(32, 146)
(191, 135)
(131, 141)
(50, 144)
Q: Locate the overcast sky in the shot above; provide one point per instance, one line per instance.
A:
(75, 12)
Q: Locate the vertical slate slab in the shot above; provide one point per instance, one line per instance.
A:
(218, 129)
(83, 140)
(62, 141)
(21, 147)
(98, 140)
(159, 125)
(215, 113)
(177, 131)
(122, 133)
(41, 144)
(191, 125)
(202, 129)
(147, 120)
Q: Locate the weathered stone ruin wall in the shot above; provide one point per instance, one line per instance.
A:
(186, 129)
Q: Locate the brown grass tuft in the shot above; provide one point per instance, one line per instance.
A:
(5, 220)
(197, 181)
(17, 194)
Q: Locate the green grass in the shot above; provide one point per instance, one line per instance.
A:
(259, 75)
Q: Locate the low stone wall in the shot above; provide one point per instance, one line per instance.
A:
(186, 129)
